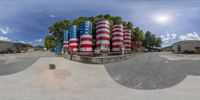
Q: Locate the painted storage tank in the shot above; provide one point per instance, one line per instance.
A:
(127, 40)
(102, 34)
(117, 37)
(66, 39)
(73, 41)
(86, 38)
(58, 49)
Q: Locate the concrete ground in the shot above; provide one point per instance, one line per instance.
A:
(12, 63)
(78, 81)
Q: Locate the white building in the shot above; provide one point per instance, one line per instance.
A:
(187, 46)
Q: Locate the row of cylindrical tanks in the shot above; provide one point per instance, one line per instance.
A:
(121, 37)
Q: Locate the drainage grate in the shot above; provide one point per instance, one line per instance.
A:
(52, 66)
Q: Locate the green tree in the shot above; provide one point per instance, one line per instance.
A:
(124, 24)
(146, 41)
(130, 26)
(58, 29)
(137, 34)
(81, 19)
(109, 18)
(151, 40)
(117, 20)
(158, 42)
(91, 18)
(50, 42)
(99, 18)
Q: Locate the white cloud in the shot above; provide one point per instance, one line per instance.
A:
(4, 30)
(4, 38)
(173, 35)
(38, 40)
(190, 36)
(20, 41)
(168, 36)
(30, 42)
(52, 16)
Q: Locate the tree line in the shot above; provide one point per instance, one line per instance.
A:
(58, 28)
(151, 40)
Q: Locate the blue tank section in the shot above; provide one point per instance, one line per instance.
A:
(86, 28)
(58, 49)
(73, 31)
(66, 35)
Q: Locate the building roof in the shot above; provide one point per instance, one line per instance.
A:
(23, 44)
(186, 41)
(5, 41)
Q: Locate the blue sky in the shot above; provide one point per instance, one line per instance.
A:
(28, 20)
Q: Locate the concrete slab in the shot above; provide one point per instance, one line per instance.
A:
(78, 81)
(13, 63)
(172, 56)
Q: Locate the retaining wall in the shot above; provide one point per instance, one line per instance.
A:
(98, 60)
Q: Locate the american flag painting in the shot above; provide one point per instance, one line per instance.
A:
(117, 37)
(73, 41)
(102, 34)
(86, 37)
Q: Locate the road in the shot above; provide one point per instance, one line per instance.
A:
(13, 63)
(154, 70)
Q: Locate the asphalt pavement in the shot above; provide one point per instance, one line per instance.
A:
(151, 71)
(13, 63)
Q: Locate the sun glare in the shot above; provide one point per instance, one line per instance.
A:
(163, 19)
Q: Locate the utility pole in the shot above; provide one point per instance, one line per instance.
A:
(48, 43)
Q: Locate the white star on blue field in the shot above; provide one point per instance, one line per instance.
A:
(28, 20)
